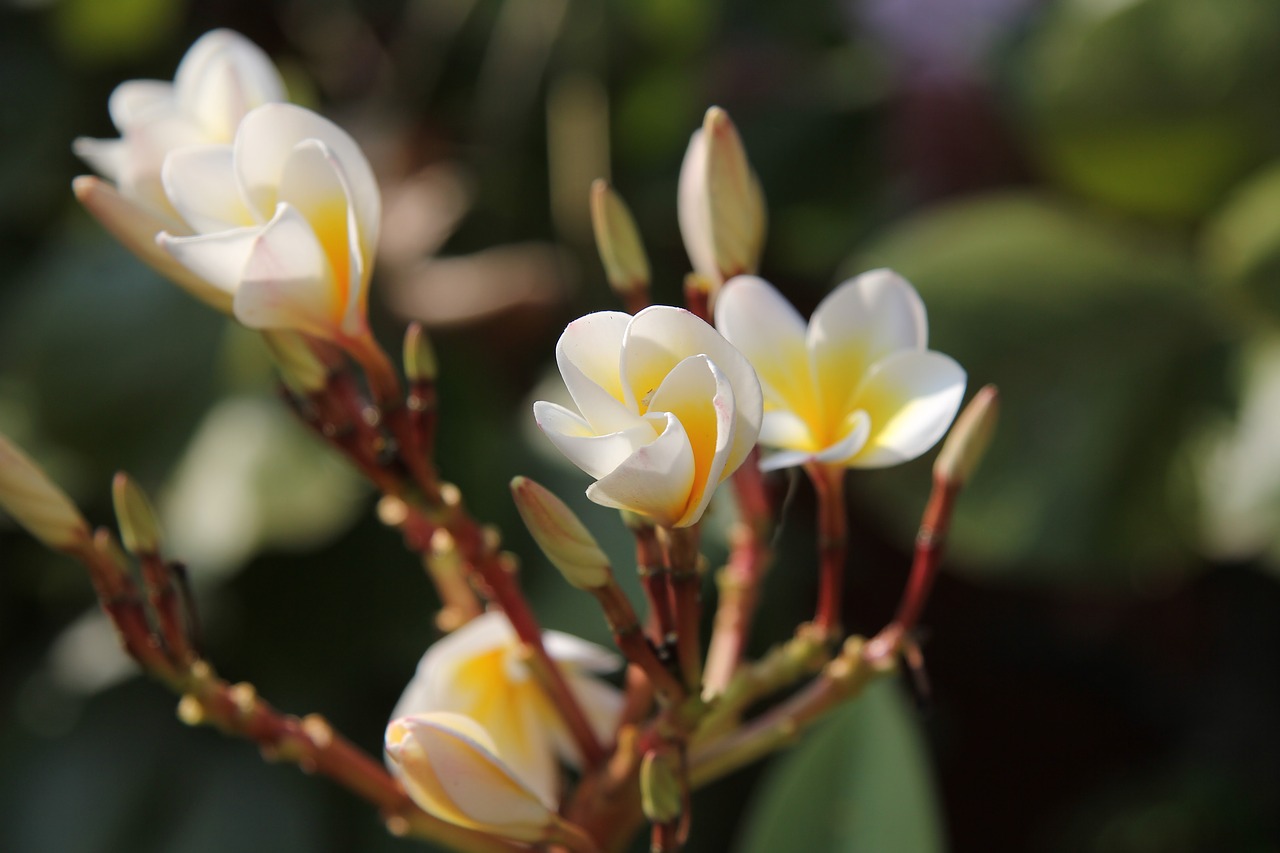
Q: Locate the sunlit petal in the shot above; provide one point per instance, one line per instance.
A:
(221, 78)
(217, 260)
(656, 480)
(200, 182)
(764, 327)
(597, 455)
(588, 355)
(911, 397)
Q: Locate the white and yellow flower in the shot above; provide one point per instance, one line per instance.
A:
(479, 672)
(222, 77)
(284, 222)
(667, 409)
(450, 765)
(857, 387)
(720, 205)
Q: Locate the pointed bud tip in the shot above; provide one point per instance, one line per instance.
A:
(139, 529)
(420, 363)
(563, 538)
(969, 438)
(618, 240)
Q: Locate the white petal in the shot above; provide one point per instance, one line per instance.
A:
(659, 337)
(580, 653)
(222, 77)
(765, 328)
(266, 141)
(655, 480)
(856, 430)
(597, 455)
(693, 209)
(104, 156)
(287, 282)
(699, 394)
(589, 354)
(785, 430)
(200, 182)
(433, 686)
(912, 397)
(217, 259)
(135, 101)
(785, 459)
(601, 703)
(856, 325)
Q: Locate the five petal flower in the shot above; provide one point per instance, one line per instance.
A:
(479, 672)
(222, 77)
(857, 387)
(667, 409)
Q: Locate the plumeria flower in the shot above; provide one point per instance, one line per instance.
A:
(479, 672)
(721, 206)
(285, 222)
(222, 77)
(450, 766)
(857, 387)
(667, 409)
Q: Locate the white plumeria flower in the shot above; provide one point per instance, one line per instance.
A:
(479, 672)
(285, 222)
(222, 77)
(720, 203)
(450, 766)
(858, 387)
(669, 409)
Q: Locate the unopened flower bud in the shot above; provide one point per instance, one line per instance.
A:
(419, 356)
(450, 767)
(721, 205)
(28, 495)
(618, 240)
(661, 796)
(139, 529)
(562, 537)
(969, 438)
(300, 368)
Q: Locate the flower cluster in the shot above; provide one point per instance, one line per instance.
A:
(271, 213)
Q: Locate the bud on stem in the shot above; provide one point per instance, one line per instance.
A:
(562, 537)
(137, 519)
(619, 244)
(969, 438)
(36, 503)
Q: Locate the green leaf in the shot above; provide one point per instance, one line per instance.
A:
(861, 782)
(1153, 106)
(1105, 351)
(1242, 241)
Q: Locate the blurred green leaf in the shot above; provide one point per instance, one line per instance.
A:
(1153, 106)
(1242, 240)
(861, 782)
(115, 30)
(1105, 351)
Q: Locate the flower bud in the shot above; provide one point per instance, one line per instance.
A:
(300, 368)
(618, 240)
(139, 529)
(661, 795)
(28, 495)
(450, 767)
(721, 206)
(562, 537)
(419, 356)
(969, 438)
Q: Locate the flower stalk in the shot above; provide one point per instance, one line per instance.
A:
(828, 484)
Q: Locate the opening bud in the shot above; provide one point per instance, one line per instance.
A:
(139, 529)
(562, 537)
(300, 368)
(28, 495)
(450, 767)
(969, 438)
(721, 205)
(618, 240)
(419, 356)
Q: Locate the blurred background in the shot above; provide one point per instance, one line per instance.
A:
(1087, 194)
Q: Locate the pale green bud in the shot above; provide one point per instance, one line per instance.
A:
(419, 356)
(300, 368)
(139, 529)
(618, 240)
(28, 495)
(562, 537)
(661, 794)
(969, 438)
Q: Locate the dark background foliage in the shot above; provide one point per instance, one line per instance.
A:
(1087, 194)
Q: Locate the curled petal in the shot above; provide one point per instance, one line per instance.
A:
(200, 182)
(659, 337)
(589, 357)
(450, 768)
(911, 397)
(597, 455)
(266, 141)
(223, 76)
(216, 260)
(656, 480)
(854, 432)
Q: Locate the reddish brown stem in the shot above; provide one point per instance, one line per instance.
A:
(157, 577)
(656, 583)
(828, 483)
(631, 641)
(680, 555)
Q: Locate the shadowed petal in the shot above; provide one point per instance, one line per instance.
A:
(597, 455)
(655, 480)
(588, 354)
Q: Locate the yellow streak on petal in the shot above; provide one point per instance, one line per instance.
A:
(329, 221)
(883, 406)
